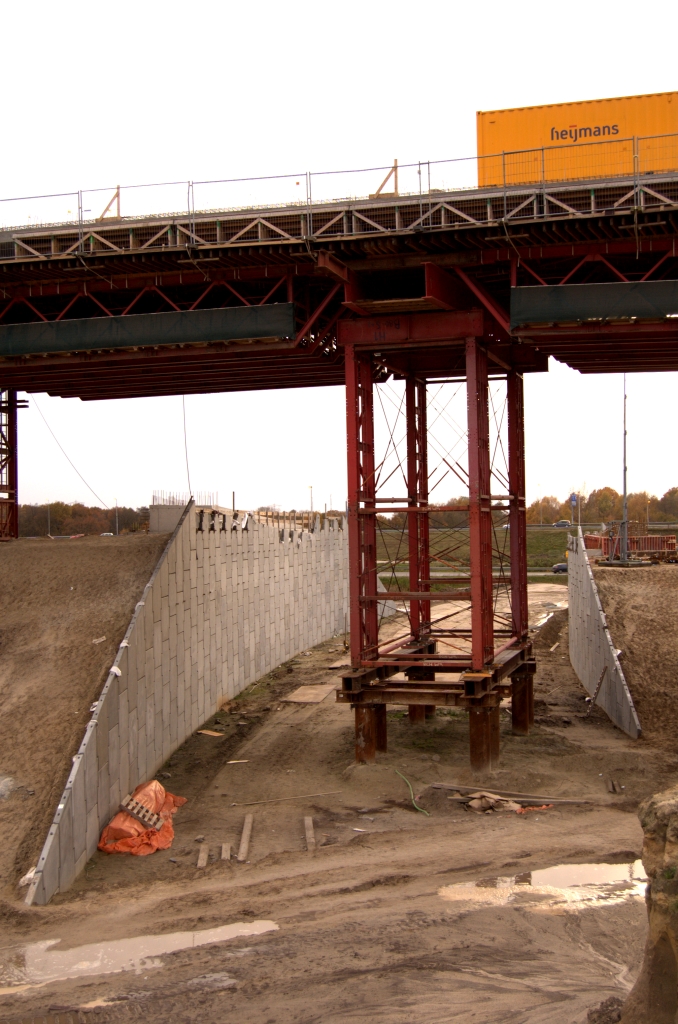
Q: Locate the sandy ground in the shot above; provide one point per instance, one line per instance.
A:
(364, 927)
(56, 597)
(642, 611)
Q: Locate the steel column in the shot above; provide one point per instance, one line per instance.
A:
(480, 736)
(366, 728)
(362, 536)
(9, 472)
(417, 486)
(495, 739)
(517, 519)
(522, 703)
(480, 514)
(380, 729)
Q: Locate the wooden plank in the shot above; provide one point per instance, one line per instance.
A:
(245, 838)
(310, 694)
(203, 855)
(283, 799)
(310, 834)
(225, 851)
(510, 795)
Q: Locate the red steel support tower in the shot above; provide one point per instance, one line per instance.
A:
(9, 484)
(428, 658)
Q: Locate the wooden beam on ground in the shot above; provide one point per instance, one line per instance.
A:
(245, 838)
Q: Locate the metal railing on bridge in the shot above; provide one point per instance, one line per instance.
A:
(502, 186)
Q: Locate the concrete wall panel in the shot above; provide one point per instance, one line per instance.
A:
(592, 652)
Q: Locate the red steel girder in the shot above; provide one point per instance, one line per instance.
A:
(410, 329)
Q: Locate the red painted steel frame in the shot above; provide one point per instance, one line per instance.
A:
(517, 518)
(417, 487)
(9, 470)
(480, 511)
(362, 535)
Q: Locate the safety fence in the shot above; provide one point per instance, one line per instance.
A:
(641, 544)
(604, 158)
(592, 653)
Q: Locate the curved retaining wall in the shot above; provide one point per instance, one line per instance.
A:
(591, 647)
(221, 609)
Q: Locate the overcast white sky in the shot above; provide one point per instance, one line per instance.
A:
(146, 91)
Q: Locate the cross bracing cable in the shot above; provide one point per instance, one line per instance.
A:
(66, 456)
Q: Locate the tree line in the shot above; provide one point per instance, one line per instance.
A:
(65, 520)
(605, 505)
(600, 506)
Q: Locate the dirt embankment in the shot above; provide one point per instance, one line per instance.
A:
(56, 598)
(641, 606)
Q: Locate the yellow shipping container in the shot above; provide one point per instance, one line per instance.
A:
(589, 139)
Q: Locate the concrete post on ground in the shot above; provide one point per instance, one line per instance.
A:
(480, 737)
(366, 729)
(522, 703)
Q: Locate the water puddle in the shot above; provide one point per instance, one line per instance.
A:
(575, 885)
(23, 967)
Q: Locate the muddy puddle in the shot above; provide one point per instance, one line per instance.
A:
(23, 967)
(574, 885)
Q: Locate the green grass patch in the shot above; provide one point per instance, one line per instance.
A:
(544, 548)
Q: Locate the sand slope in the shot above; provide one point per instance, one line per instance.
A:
(642, 611)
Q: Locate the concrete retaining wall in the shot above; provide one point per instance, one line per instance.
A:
(591, 647)
(221, 609)
(164, 518)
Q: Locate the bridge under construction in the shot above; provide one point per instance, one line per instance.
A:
(410, 300)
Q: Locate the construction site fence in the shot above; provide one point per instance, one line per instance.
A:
(643, 545)
(632, 157)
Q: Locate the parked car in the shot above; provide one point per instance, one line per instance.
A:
(105, 534)
(560, 567)
(563, 522)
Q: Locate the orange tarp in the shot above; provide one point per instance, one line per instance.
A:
(124, 834)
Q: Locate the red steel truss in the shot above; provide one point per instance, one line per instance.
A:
(416, 667)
